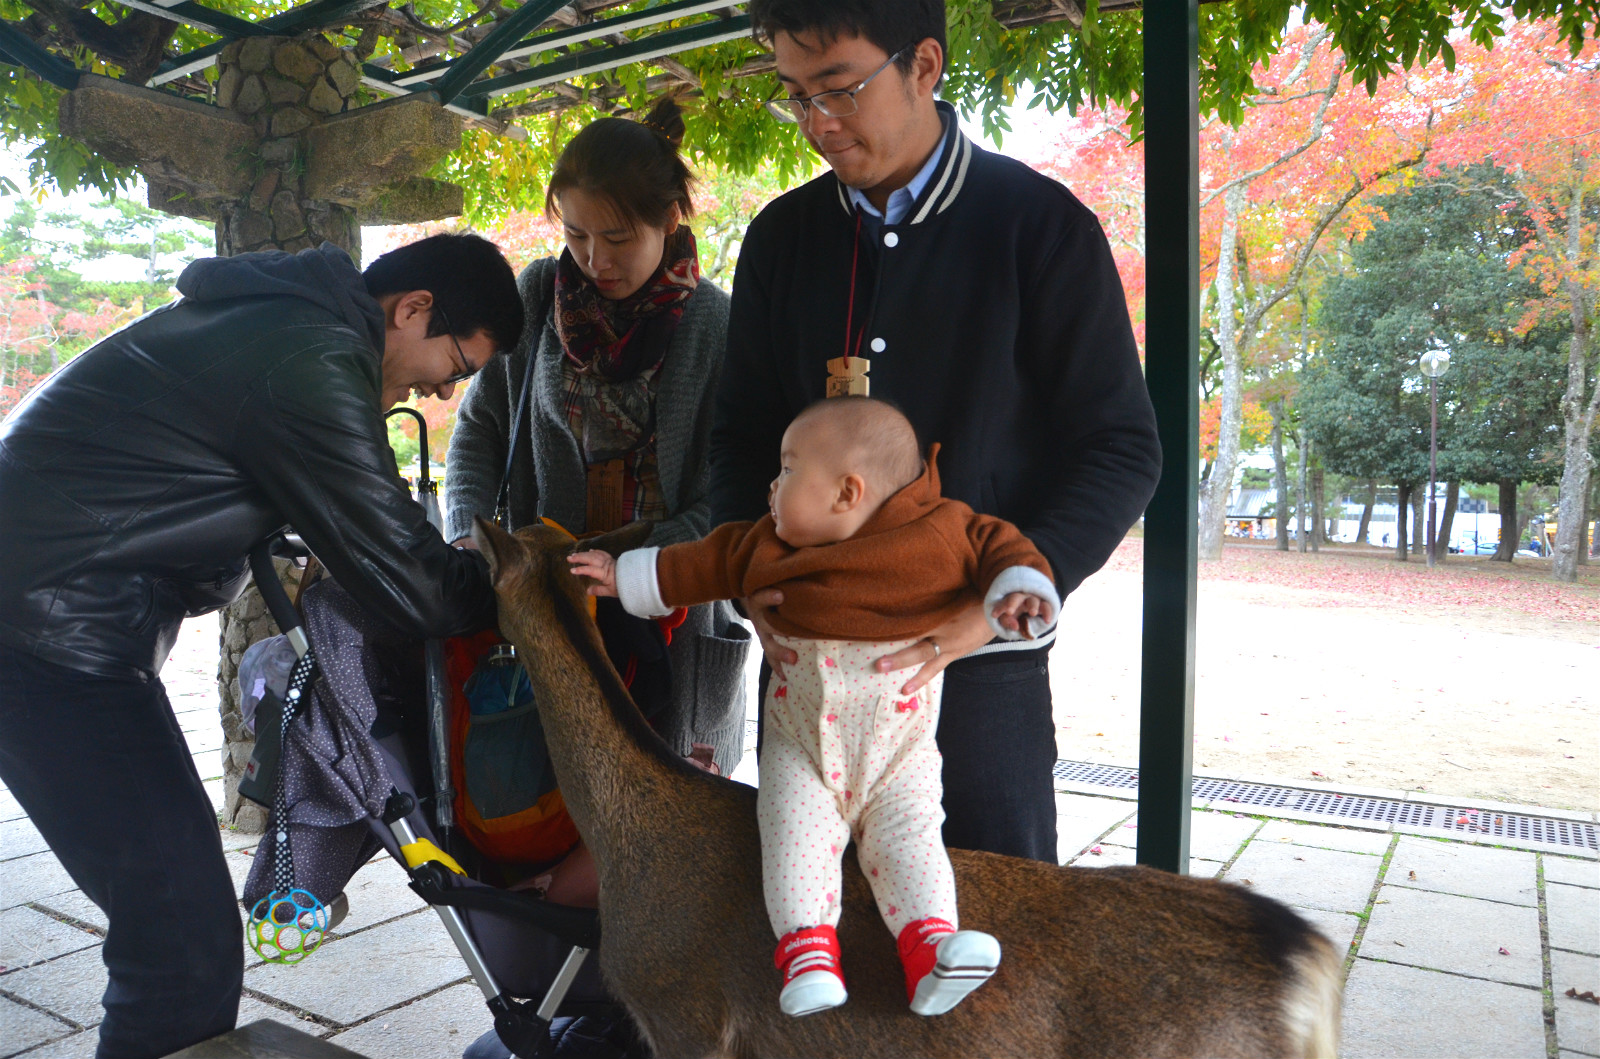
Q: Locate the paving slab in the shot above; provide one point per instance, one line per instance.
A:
(70, 987)
(1572, 872)
(78, 1044)
(232, 840)
(208, 764)
(1459, 934)
(75, 904)
(1349, 840)
(377, 894)
(1307, 876)
(10, 808)
(1574, 916)
(435, 1027)
(1080, 821)
(1204, 869)
(1109, 857)
(28, 937)
(1219, 835)
(21, 1028)
(27, 879)
(1471, 871)
(1395, 1012)
(1577, 1021)
(251, 1009)
(351, 979)
(204, 739)
(1340, 927)
(19, 838)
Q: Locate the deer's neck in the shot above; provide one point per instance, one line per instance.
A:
(612, 782)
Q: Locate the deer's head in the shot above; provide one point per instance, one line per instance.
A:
(538, 594)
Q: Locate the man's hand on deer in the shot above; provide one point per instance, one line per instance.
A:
(961, 635)
(755, 608)
(598, 567)
(1013, 611)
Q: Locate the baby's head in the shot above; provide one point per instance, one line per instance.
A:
(841, 459)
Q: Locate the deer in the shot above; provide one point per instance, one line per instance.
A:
(1116, 961)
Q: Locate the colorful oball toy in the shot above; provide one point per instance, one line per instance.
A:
(286, 928)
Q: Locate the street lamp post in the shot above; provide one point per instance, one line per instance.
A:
(1434, 363)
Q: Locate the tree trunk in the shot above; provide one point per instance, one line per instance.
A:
(1508, 522)
(1214, 494)
(1588, 515)
(1366, 512)
(1300, 527)
(1419, 510)
(1280, 476)
(1578, 405)
(1401, 504)
(1319, 534)
(1452, 497)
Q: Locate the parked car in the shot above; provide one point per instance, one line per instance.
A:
(1476, 547)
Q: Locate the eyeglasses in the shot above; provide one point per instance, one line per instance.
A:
(840, 103)
(466, 371)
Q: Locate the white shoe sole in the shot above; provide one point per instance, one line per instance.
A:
(966, 959)
(812, 992)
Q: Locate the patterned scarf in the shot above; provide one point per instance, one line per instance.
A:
(618, 340)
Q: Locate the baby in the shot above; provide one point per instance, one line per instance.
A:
(868, 556)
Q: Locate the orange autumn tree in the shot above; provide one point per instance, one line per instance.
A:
(1533, 108)
(1308, 146)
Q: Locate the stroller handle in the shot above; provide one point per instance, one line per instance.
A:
(272, 590)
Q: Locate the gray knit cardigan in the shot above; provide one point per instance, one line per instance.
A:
(549, 479)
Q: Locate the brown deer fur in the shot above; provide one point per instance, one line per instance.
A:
(1097, 962)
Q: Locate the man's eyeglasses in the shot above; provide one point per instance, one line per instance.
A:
(466, 370)
(840, 103)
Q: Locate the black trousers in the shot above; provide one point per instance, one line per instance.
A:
(997, 735)
(102, 769)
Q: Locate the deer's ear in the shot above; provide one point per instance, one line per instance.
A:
(494, 543)
(625, 539)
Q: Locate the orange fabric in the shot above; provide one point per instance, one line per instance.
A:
(540, 833)
(919, 561)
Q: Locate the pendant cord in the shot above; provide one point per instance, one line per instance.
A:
(850, 310)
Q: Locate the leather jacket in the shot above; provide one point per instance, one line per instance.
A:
(135, 479)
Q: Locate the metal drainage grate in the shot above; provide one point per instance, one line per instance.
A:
(1354, 808)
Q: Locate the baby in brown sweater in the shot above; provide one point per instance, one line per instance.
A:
(869, 557)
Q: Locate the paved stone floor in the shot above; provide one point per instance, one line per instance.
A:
(1455, 948)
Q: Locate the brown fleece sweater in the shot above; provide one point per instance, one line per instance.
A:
(917, 562)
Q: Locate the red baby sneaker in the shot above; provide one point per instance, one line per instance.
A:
(943, 964)
(812, 977)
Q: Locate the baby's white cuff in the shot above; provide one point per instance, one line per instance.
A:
(638, 590)
(1015, 579)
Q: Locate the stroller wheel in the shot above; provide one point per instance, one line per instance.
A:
(338, 908)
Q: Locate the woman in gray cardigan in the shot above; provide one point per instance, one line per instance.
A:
(617, 370)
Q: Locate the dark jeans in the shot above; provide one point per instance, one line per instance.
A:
(998, 737)
(103, 771)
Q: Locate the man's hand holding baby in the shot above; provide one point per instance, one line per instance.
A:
(598, 567)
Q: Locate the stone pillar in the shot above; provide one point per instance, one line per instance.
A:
(285, 87)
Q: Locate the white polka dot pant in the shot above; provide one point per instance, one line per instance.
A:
(846, 755)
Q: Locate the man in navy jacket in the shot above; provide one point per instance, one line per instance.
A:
(984, 299)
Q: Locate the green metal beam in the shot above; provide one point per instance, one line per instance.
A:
(198, 16)
(18, 49)
(565, 38)
(596, 60)
(506, 33)
(1172, 357)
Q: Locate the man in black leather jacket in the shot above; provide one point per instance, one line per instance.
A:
(132, 483)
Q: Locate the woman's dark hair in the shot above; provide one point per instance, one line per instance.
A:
(471, 282)
(893, 25)
(633, 164)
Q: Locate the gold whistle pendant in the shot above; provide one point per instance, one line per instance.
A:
(847, 377)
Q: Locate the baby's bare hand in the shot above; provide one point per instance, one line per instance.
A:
(1011, 611)
(599, 567)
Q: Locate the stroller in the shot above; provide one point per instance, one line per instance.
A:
(362, 739)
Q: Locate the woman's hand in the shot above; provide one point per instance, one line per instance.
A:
(599, 567)
(961, 635)
(756, 608)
